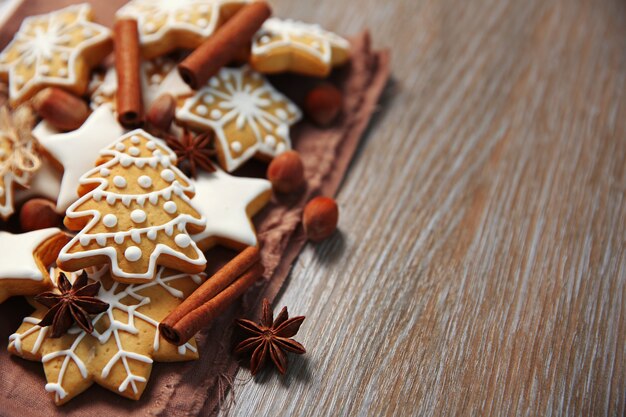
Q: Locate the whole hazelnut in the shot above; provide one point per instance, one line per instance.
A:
(161, 112)
(39, 213)
(286, 172)
(323, 104)
(320, 218)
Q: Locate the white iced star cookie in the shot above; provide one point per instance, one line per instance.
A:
(24, 261)
(134, 213)
(74, 152)
(228, 203)
(165, 25)
(289, 45)
(55, 49)
(250, 118)
(158, 76)
(119, 354)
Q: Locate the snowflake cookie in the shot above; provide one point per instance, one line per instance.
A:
(118, 355)
(165, 25)
(248, 115)
(289, 45)
(55, 49)
(135, 212)
(228, 203)
(158, 76)
(24, 261)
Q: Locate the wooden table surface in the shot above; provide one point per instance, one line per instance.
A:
(481, 265)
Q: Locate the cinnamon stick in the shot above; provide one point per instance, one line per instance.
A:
(224, 45)
(127, 67)
(212, 297)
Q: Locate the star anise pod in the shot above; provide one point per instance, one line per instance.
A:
(73, 305)
(270, 338)
(192, 152)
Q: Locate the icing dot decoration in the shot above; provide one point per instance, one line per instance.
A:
(132, 253)
(119, 182)
(170, 207)
(167, 175)
(109, 220)
(182, 240)
(138, 216)
(144, 181)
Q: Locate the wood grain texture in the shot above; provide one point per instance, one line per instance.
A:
(481, 265)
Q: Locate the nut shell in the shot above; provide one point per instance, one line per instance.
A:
(323, 104)
(286, 172)
(39, 213)
(320, 218)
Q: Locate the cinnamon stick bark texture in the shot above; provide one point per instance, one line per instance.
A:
(212, 297)
(127, 66)
(224, 45)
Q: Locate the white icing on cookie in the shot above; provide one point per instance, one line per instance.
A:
(158, 20)
(280, 34)
(16, 257)
(44, 39)
(127, 299)
(109, 220)
(224, 199)
(144, 181)
(170, 207)
(138, 216)
(238, 100)
(76, 151)
(162, 162)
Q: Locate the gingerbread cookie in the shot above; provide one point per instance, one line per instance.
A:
(74, 152)
(135, 212)
(169, 24)
(25, 258)
(289, 45)
(250, 118)
(56, 49)
(158, 76)
(18, 158)
(228, 203)
(119, 353)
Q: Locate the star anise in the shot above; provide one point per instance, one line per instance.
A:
(73, 305)
(270, 338)
(192, 151)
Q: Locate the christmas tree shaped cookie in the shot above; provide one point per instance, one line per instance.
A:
(134, 213)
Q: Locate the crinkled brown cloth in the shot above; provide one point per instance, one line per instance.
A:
(192, 388)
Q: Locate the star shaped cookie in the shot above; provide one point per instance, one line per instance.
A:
(54, 49)
(165, 25)
(25, 258)
(250, 118)
(76, 151)
(228, 203)
(289, 45)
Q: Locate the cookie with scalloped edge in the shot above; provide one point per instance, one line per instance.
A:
(293, 46)
(55, 49)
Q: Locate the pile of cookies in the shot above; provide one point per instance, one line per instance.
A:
(117, 153)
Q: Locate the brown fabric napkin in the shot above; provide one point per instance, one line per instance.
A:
(192, 388)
